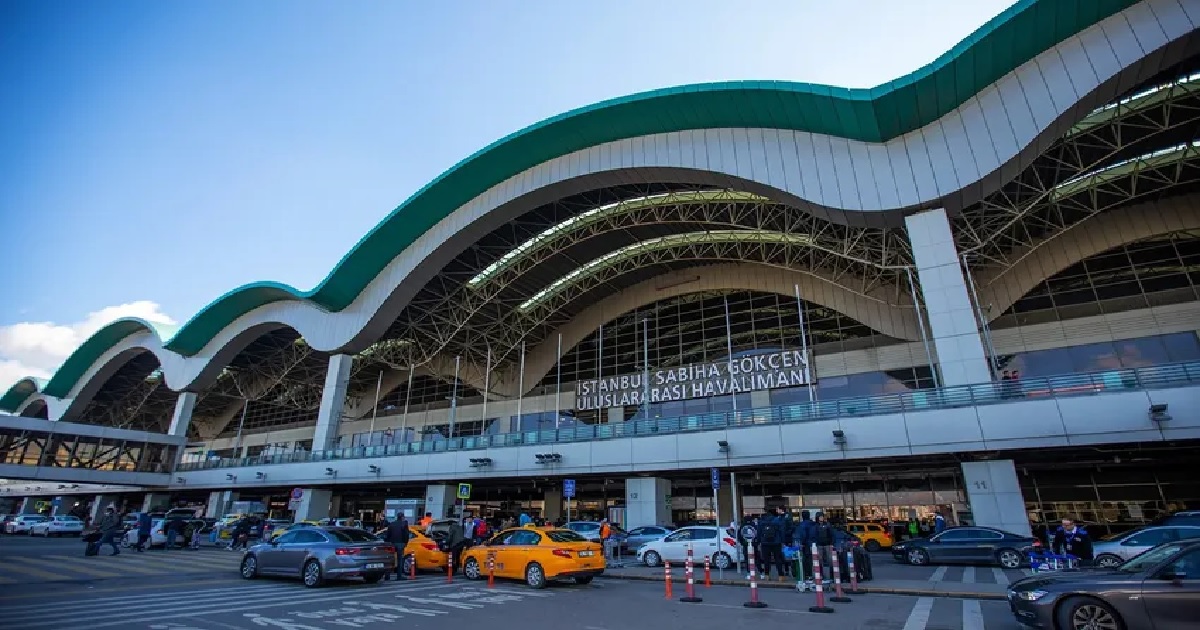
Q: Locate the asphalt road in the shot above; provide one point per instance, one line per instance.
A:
(179, 590)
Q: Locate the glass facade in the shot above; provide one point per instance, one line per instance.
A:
(61, 450)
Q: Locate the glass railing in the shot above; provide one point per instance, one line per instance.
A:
(996, 392)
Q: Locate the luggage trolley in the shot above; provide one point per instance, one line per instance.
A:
(1045, 562)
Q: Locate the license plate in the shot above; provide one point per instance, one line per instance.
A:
(586, 554)
(375, 565)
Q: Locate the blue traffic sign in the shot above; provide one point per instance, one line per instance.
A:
(716, 479)
(464, 491)
(569, 488)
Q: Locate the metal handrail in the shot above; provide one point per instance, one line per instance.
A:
(995, 392)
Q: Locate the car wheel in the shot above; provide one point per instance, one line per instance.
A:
(249, 568)
(1085, 613)
(535, 576)
(918, 557)
(721, 560)
(312, 574)
(1109, 561)
(373, 578)
(583, 579)
(1009, 559)
(471, 569)
(652, 559)
(872, 545)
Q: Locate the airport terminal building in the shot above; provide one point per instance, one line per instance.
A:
(974, 289)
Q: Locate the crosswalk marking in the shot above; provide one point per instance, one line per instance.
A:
(919, 617)
(998, 573)
(968, 575)
(25, 569)
(939, 574)
(61, 568)
(972, 615)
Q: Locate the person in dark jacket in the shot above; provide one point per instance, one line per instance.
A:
(823, 536)
(456, 540)
(143, 530)
(398, 535)
(805, 536)
(1072, 540)
(771, 533)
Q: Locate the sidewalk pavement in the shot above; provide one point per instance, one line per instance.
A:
(926, 588)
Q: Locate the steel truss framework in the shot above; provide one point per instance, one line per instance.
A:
(1093, 168)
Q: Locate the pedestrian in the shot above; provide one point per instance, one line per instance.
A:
(143, 531)
(109, 527)
(1072, 540)
(397, 533)
(806, 536)
(455, 541)
(824, 538)
(771, 539)
(939, 522)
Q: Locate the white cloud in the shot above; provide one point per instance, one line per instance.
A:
(38, 348)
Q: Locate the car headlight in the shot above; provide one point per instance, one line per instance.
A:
(1030, 596)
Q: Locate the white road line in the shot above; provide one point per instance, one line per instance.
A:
(938, 575)
(968, 575)
(972, 615)
(169, 606)
(1001, 578)
(252, 606)
(90, 603)
(917, 619)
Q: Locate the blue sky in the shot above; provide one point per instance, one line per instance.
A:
(157, 154)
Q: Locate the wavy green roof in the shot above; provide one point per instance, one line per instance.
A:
(876, 114)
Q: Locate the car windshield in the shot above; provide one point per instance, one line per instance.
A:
(1149, 559)
(351, 535)
(564, 536)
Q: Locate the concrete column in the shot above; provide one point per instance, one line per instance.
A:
(647, 501)
(56, 506)
(219, 503)
(333, 401)
(314, 505)
(101, 502)
(959, 346)
(184, 405)
(995, 496)
(335, 505)
(440, 500)
(725, 503)
(552, 505)
(156, 502)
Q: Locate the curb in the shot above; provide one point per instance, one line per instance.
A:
(882, 590)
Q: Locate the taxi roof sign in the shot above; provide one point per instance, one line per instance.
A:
(464, 491)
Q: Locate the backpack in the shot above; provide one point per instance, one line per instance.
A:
(480, 529)
(748, 532)
(771, 532)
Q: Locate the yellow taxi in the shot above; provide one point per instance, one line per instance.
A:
(424, 551)
(873, 536)
(536, 556)
(279, 531)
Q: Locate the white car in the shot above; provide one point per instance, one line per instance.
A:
(717, 544)
(158, 536)
(21, 524)
(57, 526)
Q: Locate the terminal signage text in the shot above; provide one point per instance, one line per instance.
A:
(702, 380)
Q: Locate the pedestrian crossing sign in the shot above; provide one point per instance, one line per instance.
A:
(464, 491)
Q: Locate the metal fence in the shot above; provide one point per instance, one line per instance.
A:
(996, 392)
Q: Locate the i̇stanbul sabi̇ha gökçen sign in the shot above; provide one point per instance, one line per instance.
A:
(772, 370)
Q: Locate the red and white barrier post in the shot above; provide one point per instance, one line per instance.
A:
(838, 596)
(817, 577)
(754, 602)
(691, 581)
(491, 570)
(854, 590)
(707, 572)
(667, 566)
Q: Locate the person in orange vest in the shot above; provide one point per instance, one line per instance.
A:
(427, 520)
(605, 534)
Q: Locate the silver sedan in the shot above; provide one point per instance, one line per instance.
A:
(1113, 552)
(317, 554)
